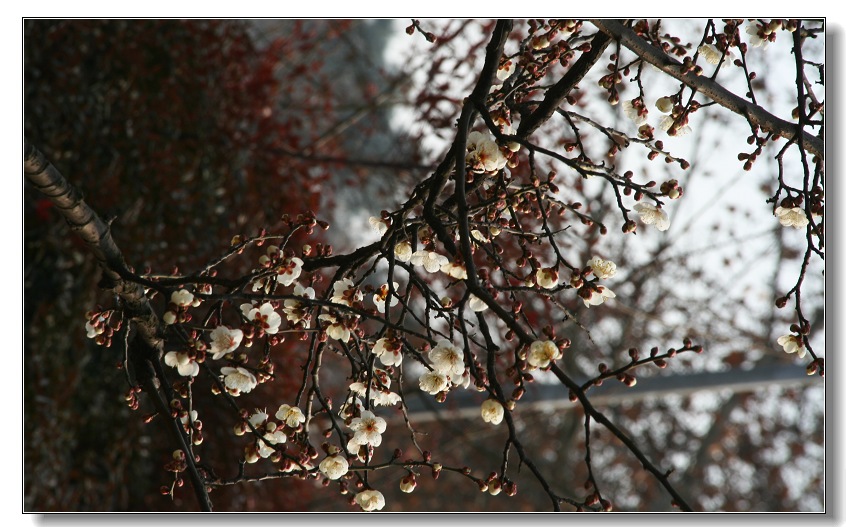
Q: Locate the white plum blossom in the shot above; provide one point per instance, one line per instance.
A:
(258, 418)
(476, 304)
(351, 406)
(379, 225)
(389, 351)
(274, 436)
(238, 380)
(455, 270)
(667, 122)
(430, 260)
(793, 217)
(225, 340)
(433, 382)
(184, 364)
(289, 270)
(483, 154)
(295, 311)
(492, 411)
(370, 500)
(187, 419)
(345, 292)
(652, 215)
(334, 467)
(635, 113)
(603, 269)
(265, 317)
(182, 298)
(291, 415)
(542, 352)
(402, 251)
(792, 344)
(336, 328)
(598, 296)
(756, 40)
(464, 381)
(368, 429)
(713, 55)
(547, 277)
(381, 296)
(379, 395)
(447, 359)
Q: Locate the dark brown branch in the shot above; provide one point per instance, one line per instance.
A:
(716, 92)
(559, 91)
(149, 344)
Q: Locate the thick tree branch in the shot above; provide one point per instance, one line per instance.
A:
(559, 91)
(88, 225)
(716, 92)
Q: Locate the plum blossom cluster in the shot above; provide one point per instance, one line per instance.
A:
(177, 309)
(379, 389)
(448, 369)
(269, 434)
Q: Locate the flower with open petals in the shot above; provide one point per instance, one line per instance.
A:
(380, 395)
(758, 36)
(182, 361)
(542, 352)
(547, 277)
(792, 344)
(265, 317)
(433, 382)
(603, 269)
(447, 359)
(334, 467)
(711, 54)
(297, 312)
(389, 351)
(381, 296)
(668, 124)
(636, 111)
(291, 415)
(225, 340)
(598, 296)
(289, 270)
(793, 217)
(238, 380)
(430, 260)
(274, 436)
(368, 429)
(492, 411)
(336, 328)
(182, 298)
(483, 154)
(370, 500)
(652, 215)
(345, 292)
